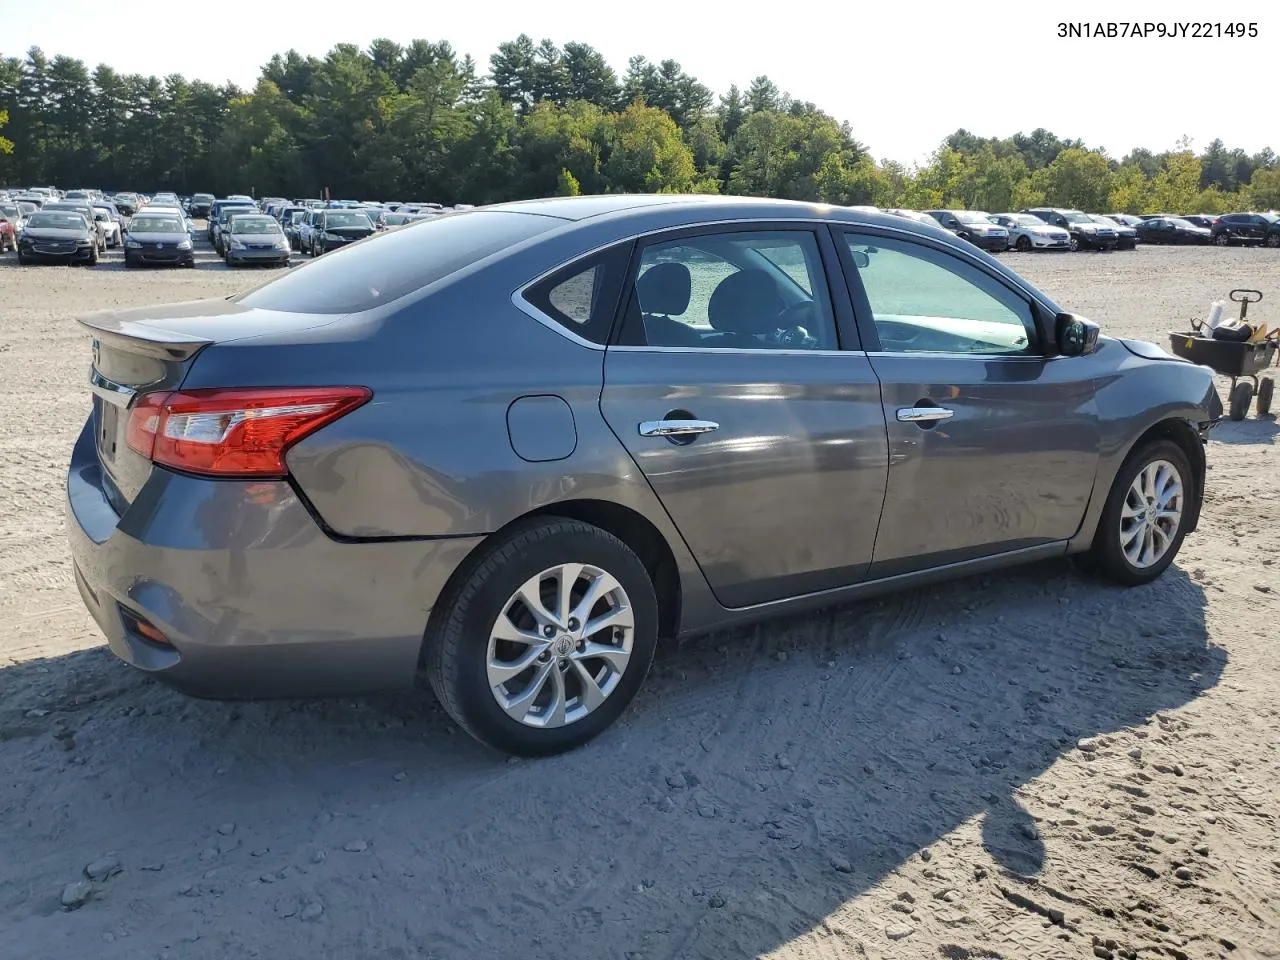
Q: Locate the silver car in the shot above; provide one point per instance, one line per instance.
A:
(1028, 232)
(517, 445)
(255, 238)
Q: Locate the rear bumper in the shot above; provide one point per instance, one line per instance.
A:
(254, 598)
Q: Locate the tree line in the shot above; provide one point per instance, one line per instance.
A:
(419, 122)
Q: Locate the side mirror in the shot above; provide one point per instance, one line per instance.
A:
(860, 259)
(1076, 336)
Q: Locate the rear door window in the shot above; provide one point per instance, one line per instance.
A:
(367, 275)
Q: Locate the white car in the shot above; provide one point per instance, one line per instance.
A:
(1028, 232)
(111, 231)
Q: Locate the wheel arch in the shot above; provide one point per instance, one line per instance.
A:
(1177, 429)
(629, 526)
(1187, 437)
(638, 533)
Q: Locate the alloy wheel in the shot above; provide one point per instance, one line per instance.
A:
(560, 646)
(1151, 514)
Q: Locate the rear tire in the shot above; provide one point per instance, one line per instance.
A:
(1265, 389)
(1119, 549)
(462, 651)
(1241, 397)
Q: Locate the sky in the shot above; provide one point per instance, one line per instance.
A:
(903, 74)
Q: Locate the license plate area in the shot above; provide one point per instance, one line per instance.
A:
(107, 422)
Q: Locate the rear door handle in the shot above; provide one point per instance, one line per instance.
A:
(924, 414)
(676, 428)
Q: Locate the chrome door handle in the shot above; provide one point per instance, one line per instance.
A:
(676, 428)
(924, 414)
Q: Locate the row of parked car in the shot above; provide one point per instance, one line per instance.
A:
(78, 226)
(1053, 228)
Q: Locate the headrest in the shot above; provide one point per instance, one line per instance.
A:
(745, 302)
(664, 288)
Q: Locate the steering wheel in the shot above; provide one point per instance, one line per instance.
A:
(792, 320)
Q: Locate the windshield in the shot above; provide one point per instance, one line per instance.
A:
(1179, 222)
(156, 225)
(9, 210)
(1028, 220)
(347, 220)
(254, 225)
(297, 216)
(58, 221)
(203, 197)
(973, 216)
(1075, 216)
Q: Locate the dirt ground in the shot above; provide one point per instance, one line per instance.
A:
(1027, 765)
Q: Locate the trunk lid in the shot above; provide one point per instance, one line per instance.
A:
(149, 349)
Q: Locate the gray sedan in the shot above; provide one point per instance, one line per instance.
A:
(255, 238)
(516, 445)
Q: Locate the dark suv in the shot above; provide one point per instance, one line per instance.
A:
(201, 204)
(1247, 228)
(1086, 234)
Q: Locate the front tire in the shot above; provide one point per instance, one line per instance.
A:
(544, 639)
(1241, 397)
(1023, 244)
(1146, 515)
(1223, 239)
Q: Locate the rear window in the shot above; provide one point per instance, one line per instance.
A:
(377, 271)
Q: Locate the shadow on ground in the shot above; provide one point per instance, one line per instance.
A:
(763, 779)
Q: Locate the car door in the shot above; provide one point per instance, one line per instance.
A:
(993, 446)
(763, 440)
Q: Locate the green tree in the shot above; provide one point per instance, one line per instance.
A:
(1264, 188)
(1079, 179)
(647, 154)
(1175, 188)
(1130, 191)
(567, 185)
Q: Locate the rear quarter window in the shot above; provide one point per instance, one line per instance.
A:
(385, 268)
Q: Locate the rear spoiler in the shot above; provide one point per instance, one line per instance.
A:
(144, 338)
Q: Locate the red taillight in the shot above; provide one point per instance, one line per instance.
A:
(234, 432)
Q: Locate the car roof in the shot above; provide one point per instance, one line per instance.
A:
(697, 207)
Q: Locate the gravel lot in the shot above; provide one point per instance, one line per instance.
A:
(1027, 765)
